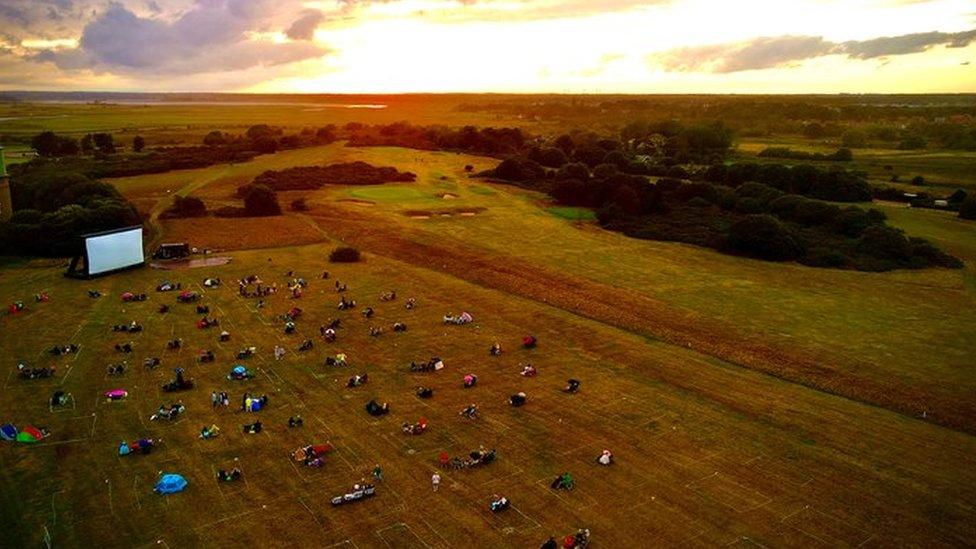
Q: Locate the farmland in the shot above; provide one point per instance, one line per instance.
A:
(746, 402)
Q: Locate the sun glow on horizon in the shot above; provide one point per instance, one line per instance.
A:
(562, 46)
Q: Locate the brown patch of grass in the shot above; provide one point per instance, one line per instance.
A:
(241, 232)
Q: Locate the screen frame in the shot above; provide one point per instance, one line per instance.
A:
(83, 245)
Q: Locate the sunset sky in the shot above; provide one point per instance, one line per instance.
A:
(628, 46)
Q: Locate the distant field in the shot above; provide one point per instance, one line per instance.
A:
(944, 171)
(172, 124)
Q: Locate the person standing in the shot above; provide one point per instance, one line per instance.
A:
(377, 473)
(435, 480)
(213, 400)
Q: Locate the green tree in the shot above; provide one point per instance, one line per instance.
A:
(214, 139)
(104, 143)
(261, 201)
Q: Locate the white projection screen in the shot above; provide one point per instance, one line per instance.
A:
(114, 251)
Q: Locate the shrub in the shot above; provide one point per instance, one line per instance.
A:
(187, 206)
(823, 257)
(314, 177)
(852, 222)
(814, 212)
(968, 208)
(214, 139)
(764, 194)
(749, 205)
(884, 242)
(344, 254)
(764, 237)
(299, 205)
(261, 201)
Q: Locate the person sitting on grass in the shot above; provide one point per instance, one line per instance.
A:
(528, 370)
(425, 392)
(495, 350)
(572, 386)
(375, 409)
(253, 428)
(518, 399)
(229, 476)
(209, 432)
(606, 458)
(562, 482)
(357, 380)
(470, 380)
(295, 421)
(470, 411)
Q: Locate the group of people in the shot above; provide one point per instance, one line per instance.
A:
(313, 455)
(260, 290)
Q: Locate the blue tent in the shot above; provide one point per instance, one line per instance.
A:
(8, 432)
(171, 483)
(255, 405)
(239, 370)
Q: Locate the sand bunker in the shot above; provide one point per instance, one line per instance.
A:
(190, 263)
(426, 214)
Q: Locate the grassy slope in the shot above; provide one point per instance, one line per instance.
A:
(708, 453)
(884, 338)
(845, 321)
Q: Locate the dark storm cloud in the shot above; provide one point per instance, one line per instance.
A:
(212, 36)
(769, 52)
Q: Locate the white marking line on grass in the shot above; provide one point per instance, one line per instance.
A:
(111, 507)
(740, 490)
(868, 535)
(745, 539)
(54, 510)
(391, 526)
(315, 518)
(135, 491)
(343, 542)
(434, 530)
(305, 480)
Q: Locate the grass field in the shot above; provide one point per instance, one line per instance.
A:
(188, 123)
(944, 171)
(747, 402)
